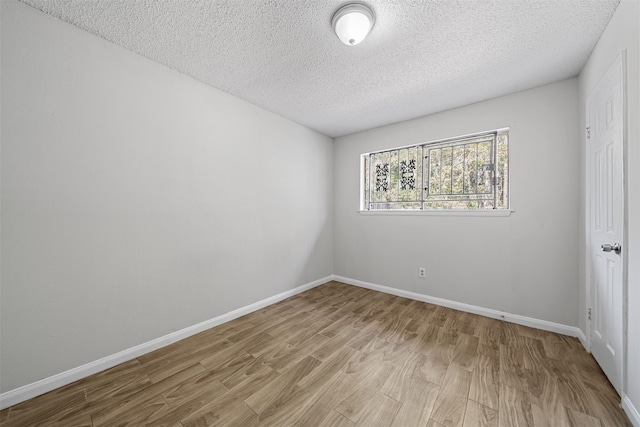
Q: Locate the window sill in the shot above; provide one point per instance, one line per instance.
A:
(416, 212)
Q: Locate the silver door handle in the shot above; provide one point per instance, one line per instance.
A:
(615, 247)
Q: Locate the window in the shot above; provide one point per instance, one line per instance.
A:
(464, 173)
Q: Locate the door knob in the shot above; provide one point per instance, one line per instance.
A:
(615, 247)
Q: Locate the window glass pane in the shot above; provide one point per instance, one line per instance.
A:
(457, 170)
(484, 167)
(393, 176)
(464, 173)
(410, 170)
(503, 170)
(434, 157)
(367, 174)
(380, 177)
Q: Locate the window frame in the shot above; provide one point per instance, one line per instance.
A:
(365, 202)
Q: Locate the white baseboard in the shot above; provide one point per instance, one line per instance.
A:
(29, 391)
(583, 340)
(487, 312)
(631, 411)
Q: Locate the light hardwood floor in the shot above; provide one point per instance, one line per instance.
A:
(339, 355)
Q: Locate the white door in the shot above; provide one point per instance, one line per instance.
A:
(605, 240)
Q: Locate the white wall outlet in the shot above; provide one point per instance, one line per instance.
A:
(422, 272)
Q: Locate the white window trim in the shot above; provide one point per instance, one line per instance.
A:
(439, 212)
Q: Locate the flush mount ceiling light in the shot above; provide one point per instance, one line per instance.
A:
(352, 23)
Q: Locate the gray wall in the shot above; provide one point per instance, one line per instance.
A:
(137, 201)
(621, 33)
(524, 264)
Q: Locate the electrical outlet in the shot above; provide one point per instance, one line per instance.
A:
(422, 272)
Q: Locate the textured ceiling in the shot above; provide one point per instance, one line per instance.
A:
(422, 56)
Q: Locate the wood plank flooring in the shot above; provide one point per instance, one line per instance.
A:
(339, 355)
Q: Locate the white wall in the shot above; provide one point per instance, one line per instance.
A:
(621, 33)
(524, 264)
(137, 201)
